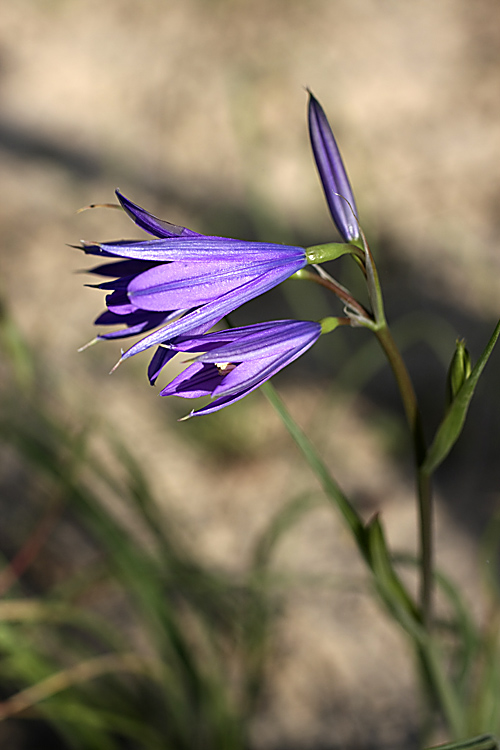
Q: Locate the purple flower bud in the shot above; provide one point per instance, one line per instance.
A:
(331, 170)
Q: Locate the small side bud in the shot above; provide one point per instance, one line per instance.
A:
(459, 371)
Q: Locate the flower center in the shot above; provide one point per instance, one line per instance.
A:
(224, 368)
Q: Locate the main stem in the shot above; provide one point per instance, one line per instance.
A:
(409, 399)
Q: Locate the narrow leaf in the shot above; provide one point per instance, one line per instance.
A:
(331, 488)
(483, 742)
(453, 422)
(390, 587)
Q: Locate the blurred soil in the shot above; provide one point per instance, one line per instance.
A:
(196, 110)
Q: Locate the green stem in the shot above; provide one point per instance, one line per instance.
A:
(409, 399)
(426, 546)
(390, 587)
(410, 404)
(331, 488)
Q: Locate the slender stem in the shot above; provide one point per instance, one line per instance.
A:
(410, 404)
(331, 488)
(406, 389)
(409, 399)
(426, 546)
(337, 289)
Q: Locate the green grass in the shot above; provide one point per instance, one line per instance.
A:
(185, 669)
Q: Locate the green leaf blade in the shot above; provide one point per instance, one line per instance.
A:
(483, 742)
(453, 422)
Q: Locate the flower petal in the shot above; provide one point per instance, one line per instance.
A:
(197, 380)
(265, 348)
(264, 340)
(158, 362)
(202, 250)
(252, 373)
(122, 268)
(220, 403)
(172, 285)
(136, 322)
(212, 312)
(118, 302)
(150, 223)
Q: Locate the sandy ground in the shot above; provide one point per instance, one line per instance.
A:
(196, 109)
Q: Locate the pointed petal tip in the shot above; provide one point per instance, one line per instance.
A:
(97, 205)
(115, 367)
(84, 244)
(89, 344)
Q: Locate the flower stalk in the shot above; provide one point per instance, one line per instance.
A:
(326, 281)
(409, 399)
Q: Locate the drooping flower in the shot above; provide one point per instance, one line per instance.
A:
(235, 362)
(336, 186)
(182, 281)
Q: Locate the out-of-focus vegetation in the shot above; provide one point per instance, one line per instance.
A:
(134, 639)
(134, 642)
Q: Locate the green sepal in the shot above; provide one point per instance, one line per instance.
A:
(450, 428)
(329, 324)
(330, 251)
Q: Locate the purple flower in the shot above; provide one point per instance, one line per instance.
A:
(239, 360)
(331, 170)
(183, 281)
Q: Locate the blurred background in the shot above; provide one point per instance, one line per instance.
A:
(196, 110)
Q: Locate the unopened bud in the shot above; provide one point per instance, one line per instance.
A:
(459, 370)
(332, 173)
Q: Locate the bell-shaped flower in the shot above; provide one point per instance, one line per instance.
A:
(182, 281)
(332, 172)
(235, 362)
